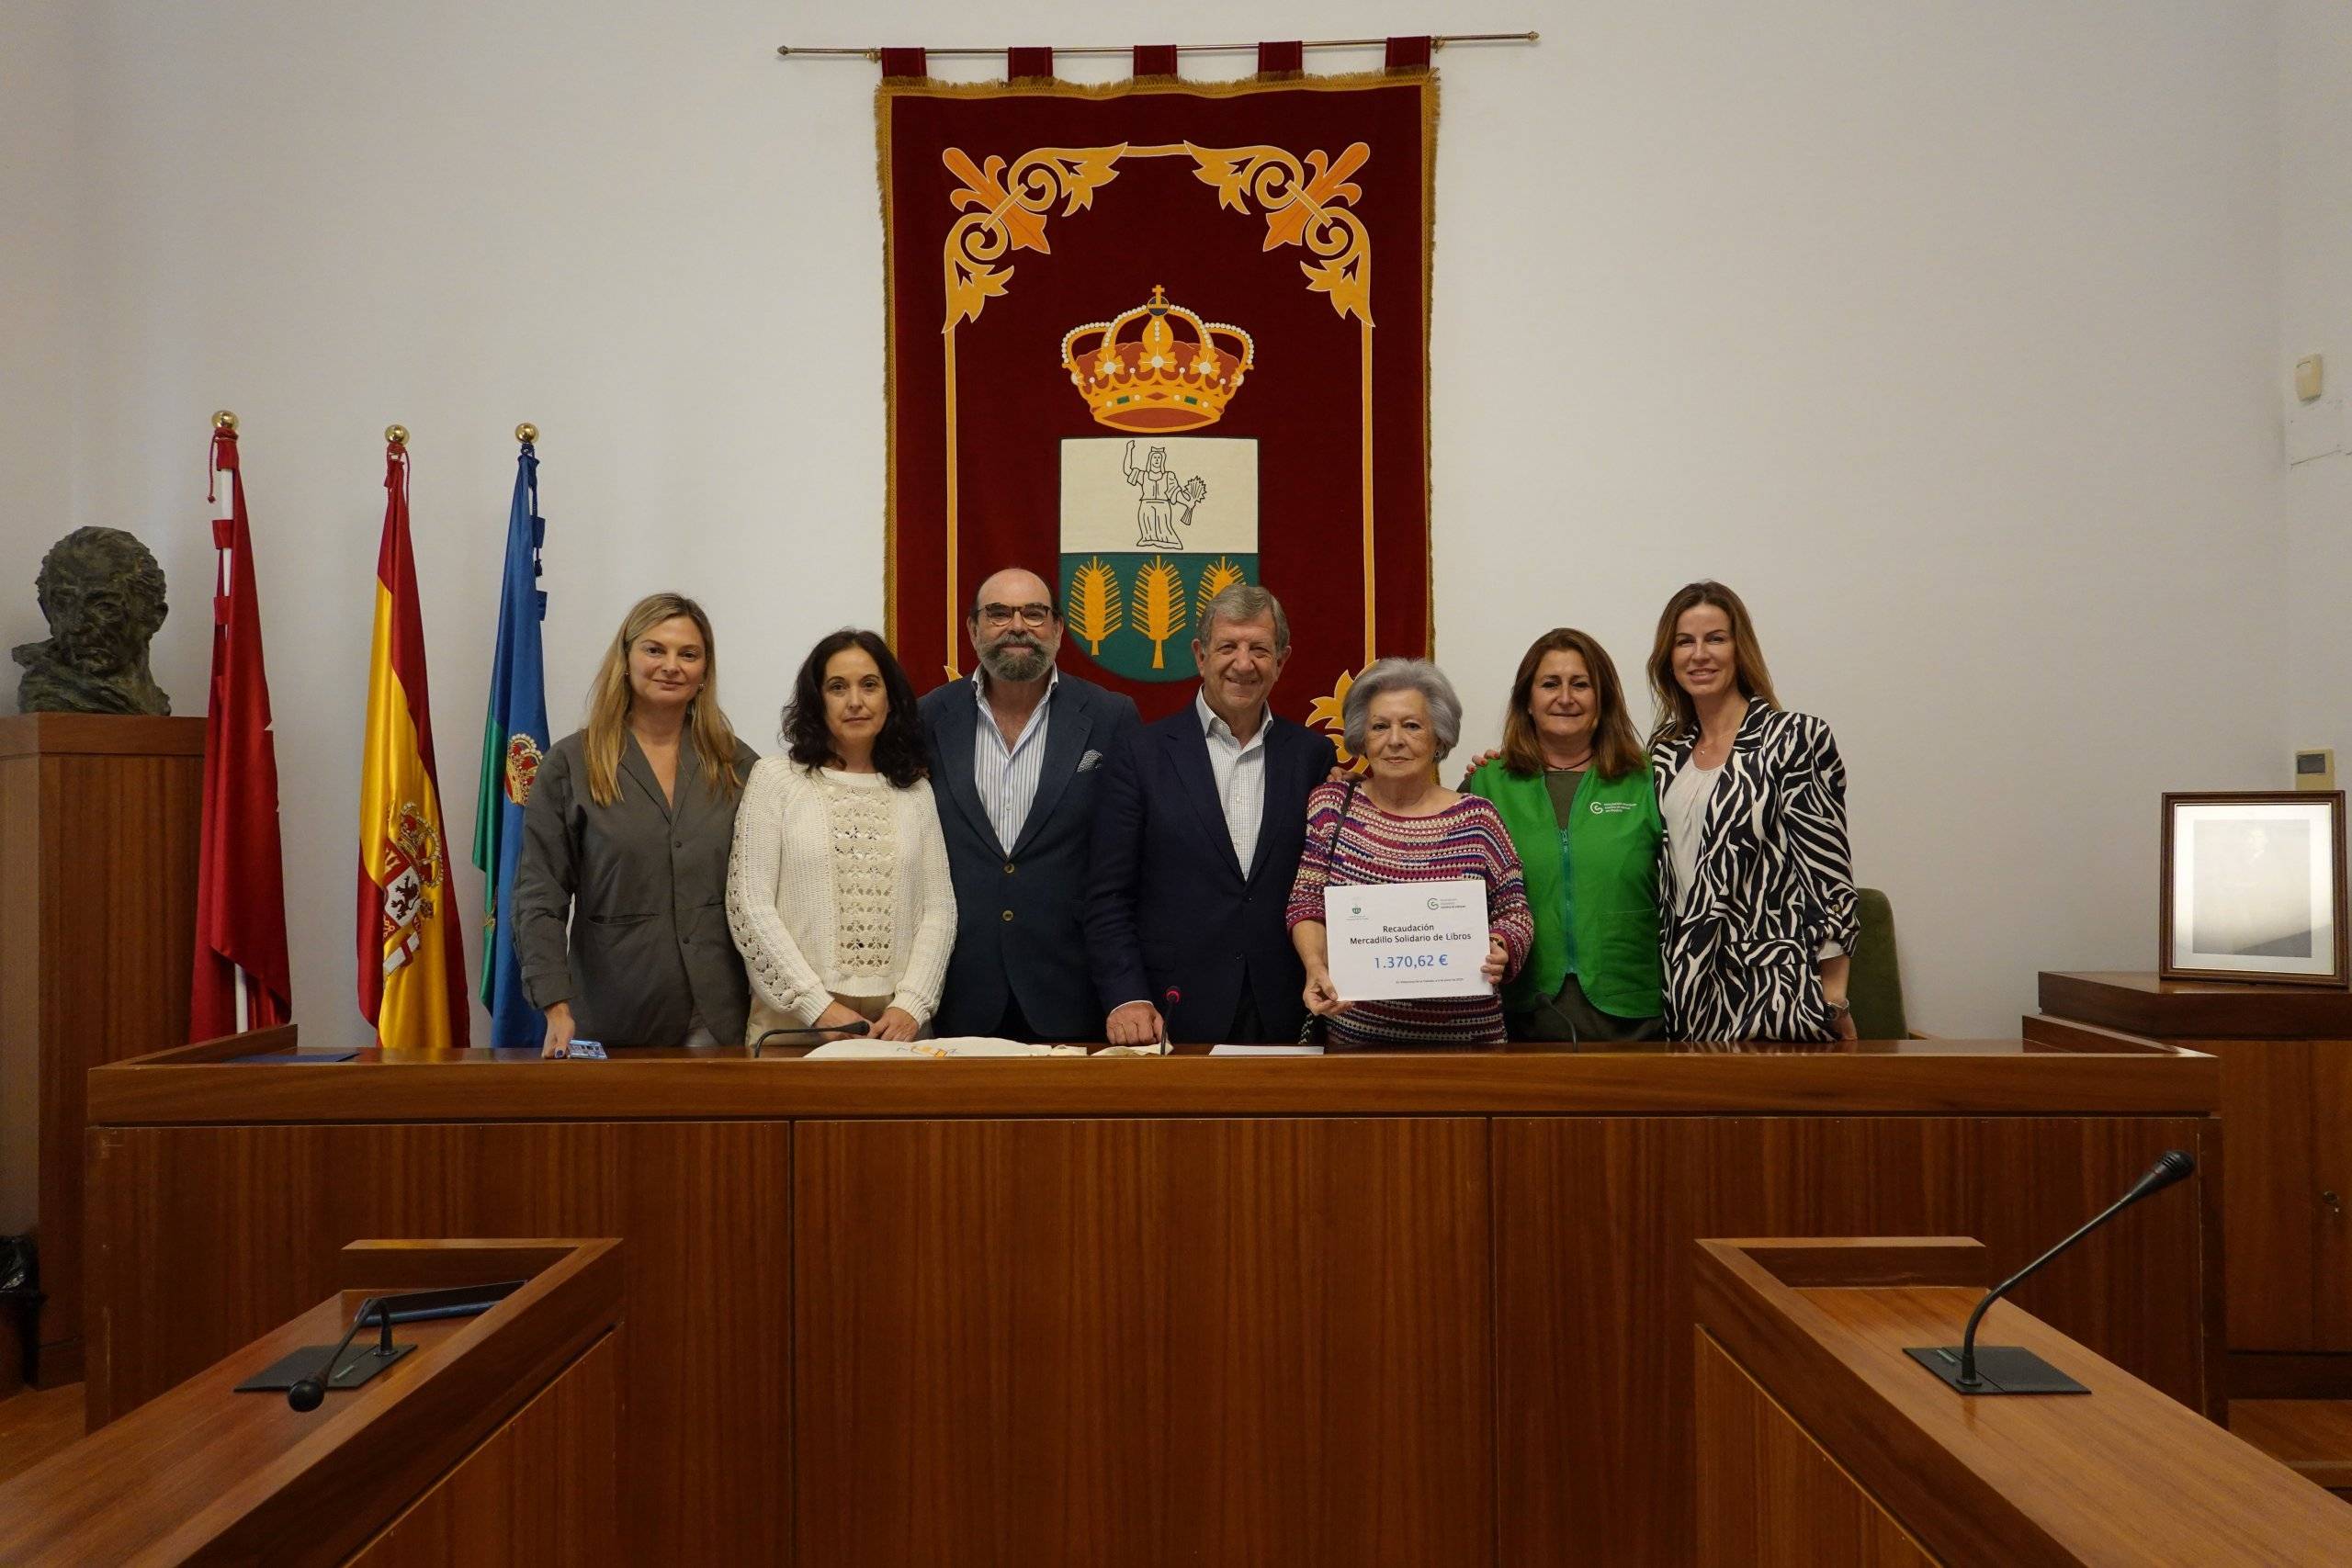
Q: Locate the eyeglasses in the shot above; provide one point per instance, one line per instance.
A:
(1028, 615)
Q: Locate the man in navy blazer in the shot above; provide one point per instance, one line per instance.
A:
(1017, 757)
(1197, 838)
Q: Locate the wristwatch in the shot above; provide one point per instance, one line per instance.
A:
(1840, 1010)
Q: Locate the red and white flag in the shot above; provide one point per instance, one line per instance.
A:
(243, 980)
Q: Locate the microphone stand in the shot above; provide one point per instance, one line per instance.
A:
(2019, 1370)
(308, 1392)
(808, 1031)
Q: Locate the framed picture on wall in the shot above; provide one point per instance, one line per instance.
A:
(2254, 888)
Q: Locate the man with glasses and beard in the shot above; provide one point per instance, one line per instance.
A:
(1016, 754)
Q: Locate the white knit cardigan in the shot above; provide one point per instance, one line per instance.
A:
(824, 864)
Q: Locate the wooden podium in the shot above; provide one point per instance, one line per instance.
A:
(1351, 1310)
(495, 1441)
(1821, 1443)
(2286, 1053)
(99, 820)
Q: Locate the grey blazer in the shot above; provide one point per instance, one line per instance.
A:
(642, 887)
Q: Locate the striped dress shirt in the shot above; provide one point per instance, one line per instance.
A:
(1006, 776)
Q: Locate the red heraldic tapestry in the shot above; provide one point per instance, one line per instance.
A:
(1153, 339)
(411, 958)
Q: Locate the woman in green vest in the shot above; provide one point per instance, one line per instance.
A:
(1574, 791)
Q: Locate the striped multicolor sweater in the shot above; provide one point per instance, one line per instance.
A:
(1465, 840)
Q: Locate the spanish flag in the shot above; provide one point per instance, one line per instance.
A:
(411, 958)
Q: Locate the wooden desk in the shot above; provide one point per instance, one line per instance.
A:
(1359, 1309)
(2286, 1055)
(493, 1442)
(1822, 1444)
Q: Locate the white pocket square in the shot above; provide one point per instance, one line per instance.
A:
(1089, 761)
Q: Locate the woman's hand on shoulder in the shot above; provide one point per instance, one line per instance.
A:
(1480, 760)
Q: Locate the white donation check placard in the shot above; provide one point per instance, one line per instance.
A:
(1397, 940)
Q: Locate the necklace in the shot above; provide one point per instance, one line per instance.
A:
(1577, 766)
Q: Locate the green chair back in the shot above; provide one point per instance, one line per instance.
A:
(1875, 983)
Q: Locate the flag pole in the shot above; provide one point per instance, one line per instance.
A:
(225, 512)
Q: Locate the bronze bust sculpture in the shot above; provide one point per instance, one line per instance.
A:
(103, 594)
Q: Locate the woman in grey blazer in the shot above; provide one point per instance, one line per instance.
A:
(620, 895)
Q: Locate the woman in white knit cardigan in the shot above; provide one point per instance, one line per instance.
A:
(838, 894)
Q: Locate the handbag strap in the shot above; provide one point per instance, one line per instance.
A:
(1311, 1032)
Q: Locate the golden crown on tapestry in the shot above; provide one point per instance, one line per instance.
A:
(1156, 381)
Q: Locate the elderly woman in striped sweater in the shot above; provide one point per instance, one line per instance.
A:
(1398, 824)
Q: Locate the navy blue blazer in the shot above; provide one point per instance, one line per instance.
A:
(1169, 906)
(1019, 917)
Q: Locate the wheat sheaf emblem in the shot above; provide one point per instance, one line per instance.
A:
(1222, 573)
(1095, 609)
(1160, 605)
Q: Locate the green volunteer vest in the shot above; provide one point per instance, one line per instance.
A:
(1596, 903)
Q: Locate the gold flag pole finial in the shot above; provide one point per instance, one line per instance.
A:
(527, 433)
(223, 420)
(397, 435)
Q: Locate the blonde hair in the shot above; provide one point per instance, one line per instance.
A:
(609, 698)
(1676, 711)
(1615, 753)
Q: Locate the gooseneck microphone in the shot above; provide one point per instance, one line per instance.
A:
(809, 1032)
(308, 1392)
(1167, 1018)
(2019, 1371)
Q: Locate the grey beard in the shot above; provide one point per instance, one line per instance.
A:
(1012, 661)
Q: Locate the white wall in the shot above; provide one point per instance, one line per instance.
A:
(1947, 331)
(2315, 317)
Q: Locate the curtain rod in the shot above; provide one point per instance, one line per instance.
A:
(1440, 41)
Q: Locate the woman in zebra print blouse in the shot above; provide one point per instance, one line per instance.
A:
(1756, 883)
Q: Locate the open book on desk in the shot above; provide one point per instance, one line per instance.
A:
(912, 1050)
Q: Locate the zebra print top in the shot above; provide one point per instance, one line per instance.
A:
(1774, 881)
(1465, 840)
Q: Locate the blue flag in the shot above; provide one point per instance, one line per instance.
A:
(514, 739)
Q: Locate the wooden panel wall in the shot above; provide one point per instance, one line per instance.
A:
(2284, 1243)
(1768, 1496)
(1594, 1221)
(98, 840)
(204, 1237)
(1407, 1340)
(1144, 1342)
(540, 1489)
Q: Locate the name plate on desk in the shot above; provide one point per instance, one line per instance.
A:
(1398, 940)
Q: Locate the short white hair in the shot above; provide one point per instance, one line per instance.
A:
(1401, 675)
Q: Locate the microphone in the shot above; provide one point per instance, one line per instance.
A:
(307, 1393)
(1167, 1012)
(811, 1032)
(2017, 1371)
